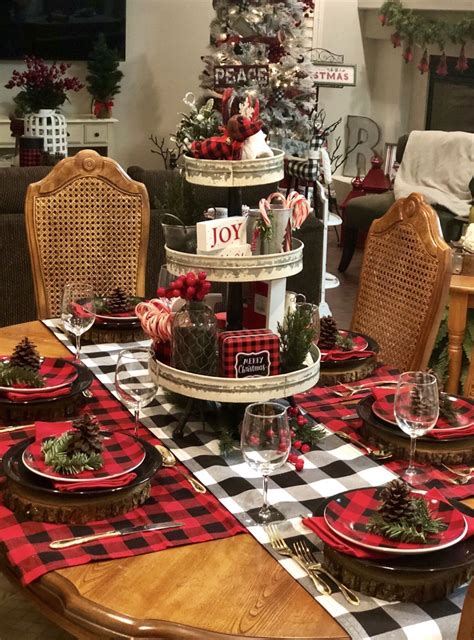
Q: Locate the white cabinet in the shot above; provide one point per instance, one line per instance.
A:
(82, 132)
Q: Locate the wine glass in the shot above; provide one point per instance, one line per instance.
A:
(78, 310)
(165, 278)
(416, 410)
(265, 442)
(133, 380)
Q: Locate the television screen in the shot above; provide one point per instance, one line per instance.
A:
(60, 29)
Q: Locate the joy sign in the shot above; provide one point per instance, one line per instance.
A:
(220, 233)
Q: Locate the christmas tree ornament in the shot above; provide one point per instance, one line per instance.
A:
(328, 333)
(442, 68)
(396, 501)
(25, 355)
(408, 54)
(423, 66)
(396, 40)
(462, 64)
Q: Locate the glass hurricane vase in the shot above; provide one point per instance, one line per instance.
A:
(194, 339)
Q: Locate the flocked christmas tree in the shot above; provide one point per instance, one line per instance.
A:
(267, 32)
(103, 81)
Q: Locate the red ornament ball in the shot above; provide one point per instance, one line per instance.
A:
(299, 464)
(305, 448)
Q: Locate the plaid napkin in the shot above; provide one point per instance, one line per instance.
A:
(319, 526)
(56, 371)
(337, 356)
(41, 394)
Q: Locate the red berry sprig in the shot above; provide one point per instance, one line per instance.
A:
(191, 286)
(304, 436)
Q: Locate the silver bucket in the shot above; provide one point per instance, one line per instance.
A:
(280, 219)
(179, 236)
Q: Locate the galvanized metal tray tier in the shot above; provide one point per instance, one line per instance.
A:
(235, 173)
(240, 390)
(238, 268)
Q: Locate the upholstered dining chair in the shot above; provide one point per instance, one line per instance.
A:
(404, 283)
(86, 221)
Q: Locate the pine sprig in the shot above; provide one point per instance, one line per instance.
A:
(307, 432)
(11, 375)
(345, 343)
(55, 451)
(101, 304)
(418, 527)
(296, 337)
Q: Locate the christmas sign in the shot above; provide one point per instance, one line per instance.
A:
(233, 75)
(335, 75)
(218, 234)
(249, 354)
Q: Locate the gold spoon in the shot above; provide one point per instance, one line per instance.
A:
(169, 460)
(377, 454)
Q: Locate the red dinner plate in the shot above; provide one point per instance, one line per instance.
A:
(360, 343)
(122, 453)
(348, 516)
(56, 372)
(383, 408)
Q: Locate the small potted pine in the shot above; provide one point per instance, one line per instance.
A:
(103, 80)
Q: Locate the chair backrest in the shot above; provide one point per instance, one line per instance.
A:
(86, 221)
(404, 283)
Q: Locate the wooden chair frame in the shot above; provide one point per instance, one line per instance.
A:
(412, 211)
(66, 175)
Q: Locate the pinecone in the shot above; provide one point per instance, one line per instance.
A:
(420, 405)
(396, 501)
(26, 355)
(87, 438)
(117, 301)
(328, 333)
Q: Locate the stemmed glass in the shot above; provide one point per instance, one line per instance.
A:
(78, 311)
(265, 442)
(416, 411)
(133, 380)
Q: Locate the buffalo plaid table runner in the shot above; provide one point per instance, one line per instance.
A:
(334, 467)
(26, 543)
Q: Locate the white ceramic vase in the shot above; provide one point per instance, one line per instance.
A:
(51, 126)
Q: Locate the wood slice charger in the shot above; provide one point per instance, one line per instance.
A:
(31, 496)
(428, 450)
(116, 331)
(67, 406)
(349, 370)
(413, 578)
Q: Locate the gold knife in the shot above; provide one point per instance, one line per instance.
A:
(126, 531)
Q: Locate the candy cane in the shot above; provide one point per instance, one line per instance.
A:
(300, 206)
(155, 317)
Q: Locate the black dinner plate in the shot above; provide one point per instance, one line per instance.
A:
(372, 345)
(364, 409)
(80, 384)
(457, 556)
(15, 469)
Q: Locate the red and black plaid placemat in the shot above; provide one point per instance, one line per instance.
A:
(26, 543)
(324, 406)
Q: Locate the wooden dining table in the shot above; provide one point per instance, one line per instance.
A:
(224, 589)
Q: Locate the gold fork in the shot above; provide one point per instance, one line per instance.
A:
(280, 546)
(301, 548)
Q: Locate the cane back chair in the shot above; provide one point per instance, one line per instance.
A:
(404, 283)
(86, 221)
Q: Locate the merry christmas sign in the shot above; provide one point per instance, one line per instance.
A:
(335, 75)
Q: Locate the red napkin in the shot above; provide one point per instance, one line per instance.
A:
(337, 356)
(124, 314)
(107, 483)
(320, 528)
(37, 395)
(51, 429)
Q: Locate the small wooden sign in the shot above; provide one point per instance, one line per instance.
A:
(220, 233)
(335, 75)
(233, 75)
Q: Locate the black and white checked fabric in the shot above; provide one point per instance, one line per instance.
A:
(332, 468)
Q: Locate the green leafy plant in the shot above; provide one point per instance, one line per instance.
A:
(200, 123)
(419, 526)
(296, 337)
(345, 343)
(57, 455)
(104, 73)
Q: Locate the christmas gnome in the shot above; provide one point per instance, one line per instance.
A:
(242, 136)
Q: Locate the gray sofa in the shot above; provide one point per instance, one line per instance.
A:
(16, 283)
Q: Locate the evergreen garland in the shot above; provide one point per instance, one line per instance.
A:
(417, 527)
(344, 343)
(102, 305)
(55, 451)
(296, 337)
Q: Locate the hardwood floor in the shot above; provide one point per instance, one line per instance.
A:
(19, 619)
